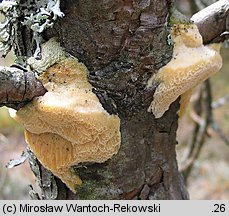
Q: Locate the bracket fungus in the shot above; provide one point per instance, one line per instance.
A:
(67, 125)
(191, 64)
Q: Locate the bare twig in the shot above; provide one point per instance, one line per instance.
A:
(195, 150)
(203, 118)
(213, 24)
(213, 21)
(219, 132)
(18, 87)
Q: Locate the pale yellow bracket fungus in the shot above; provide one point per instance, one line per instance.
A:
(191, 64)
(68, 125)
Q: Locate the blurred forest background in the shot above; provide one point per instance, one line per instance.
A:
(203, 136)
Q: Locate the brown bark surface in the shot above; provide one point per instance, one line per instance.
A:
(123, 43)
(212, 23)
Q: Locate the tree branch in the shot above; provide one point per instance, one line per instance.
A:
(213, 22)
(203, 119)
(18, 87)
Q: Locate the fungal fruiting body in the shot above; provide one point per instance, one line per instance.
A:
(68, 125)
(191, 64)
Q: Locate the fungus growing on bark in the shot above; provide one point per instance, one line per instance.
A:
(191, 64)
(68, 125)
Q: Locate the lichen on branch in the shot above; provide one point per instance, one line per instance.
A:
(37, 17)
(68, 125)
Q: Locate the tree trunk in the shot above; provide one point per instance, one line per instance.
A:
(122, 43)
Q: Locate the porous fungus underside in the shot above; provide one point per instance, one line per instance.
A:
(191, 64)
(68, 125)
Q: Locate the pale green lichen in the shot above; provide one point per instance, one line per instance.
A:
(38, 17)
(44, 17)
(170, 40)
(9, 9)
(52, 52)
(5, 6)
(176, 17)
(41, 20)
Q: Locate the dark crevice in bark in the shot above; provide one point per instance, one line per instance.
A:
(123, 43)
(106, 101)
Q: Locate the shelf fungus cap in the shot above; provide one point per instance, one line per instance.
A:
(191, 64)
(68, 125)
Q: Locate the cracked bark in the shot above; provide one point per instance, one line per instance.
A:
(123, 43)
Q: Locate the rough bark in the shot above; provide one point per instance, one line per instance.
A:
(122, 43)
(212, 22)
